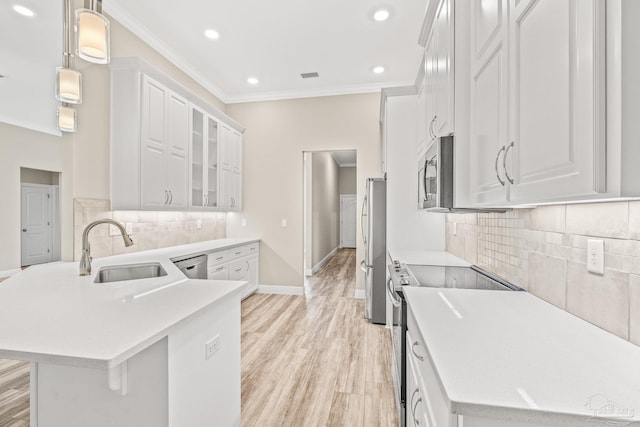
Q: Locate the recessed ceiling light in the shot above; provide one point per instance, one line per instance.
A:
(252, 81)
(381, 15)
(24, 11)
(212, 34)
(379, 69)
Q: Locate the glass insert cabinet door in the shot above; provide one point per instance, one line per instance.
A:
(204, 160)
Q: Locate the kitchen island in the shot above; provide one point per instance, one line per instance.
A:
(509, 359)
(161, 351)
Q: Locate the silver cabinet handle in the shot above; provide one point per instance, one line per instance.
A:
(496, 165)
(239, 269)
(219, 258)
(220, 268)
(431, 131)
(504, 162)
(413, 411)
(413, 408)
(420, 358)
(206, 200)
(24, 230)
(166, 197)
(396, 302)
(170, 197)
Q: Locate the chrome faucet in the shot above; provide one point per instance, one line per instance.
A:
(85, 260)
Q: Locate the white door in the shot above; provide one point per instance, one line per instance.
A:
(348, 214)
(557, 103)
(37, 236)
(489, 97)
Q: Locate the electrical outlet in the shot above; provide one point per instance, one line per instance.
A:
(284, 223)
(455, 228)
(199, 224)
(595, 256)
(244, 222)
(211, 347)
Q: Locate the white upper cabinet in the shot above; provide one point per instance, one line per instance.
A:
(537, 101)
(442, 69)
(231, 169)
(164, 133)
(204, 160)
(488, 101)
(557, 114)
(165, 144)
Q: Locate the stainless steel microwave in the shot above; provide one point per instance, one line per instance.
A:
(435, 176)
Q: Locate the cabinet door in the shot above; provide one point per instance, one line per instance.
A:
(253, 273)
(488, 109)
(226, 188)
(227, 153)
(557, 101)
(236, 191)
(237, 151)
(239, 270)
(211, 171)
(198, 148)
(178, 149)
(443, 69)
(423, 118)
(154, 192)
(430, 86)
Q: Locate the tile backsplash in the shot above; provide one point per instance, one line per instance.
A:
(151, 230)
(544, 250)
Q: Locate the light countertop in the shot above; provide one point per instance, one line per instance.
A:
(424, 257)
(512, 356)
(50, 314)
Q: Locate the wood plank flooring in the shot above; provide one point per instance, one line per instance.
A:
(315, 360)
(307, 361)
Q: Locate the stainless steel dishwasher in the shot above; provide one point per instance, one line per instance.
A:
(193, 267)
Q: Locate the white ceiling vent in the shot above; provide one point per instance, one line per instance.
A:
(309, 75)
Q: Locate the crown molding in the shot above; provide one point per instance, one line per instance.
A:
(124, 18)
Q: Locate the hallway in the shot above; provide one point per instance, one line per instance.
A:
(315, 360)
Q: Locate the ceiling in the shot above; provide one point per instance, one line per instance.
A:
(345, 158)
(275, 41)
(30, 51)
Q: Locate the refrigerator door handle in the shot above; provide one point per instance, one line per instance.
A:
(364, 267)
(362, 215)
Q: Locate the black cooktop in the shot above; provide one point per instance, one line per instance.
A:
(456, 277)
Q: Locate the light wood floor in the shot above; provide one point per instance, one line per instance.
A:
(307, 361)
(315, 360)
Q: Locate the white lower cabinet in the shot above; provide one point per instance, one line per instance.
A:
(238, 263)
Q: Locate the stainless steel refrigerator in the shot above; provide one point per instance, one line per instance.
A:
(373, 222)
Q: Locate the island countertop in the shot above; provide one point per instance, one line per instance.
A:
(512, 356)
(50, 314)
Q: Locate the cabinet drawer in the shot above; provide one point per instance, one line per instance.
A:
(218, 257)
(218, 272)
(253, 248)
(238, 252)
(239, 270)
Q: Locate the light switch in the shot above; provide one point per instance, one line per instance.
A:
(284, 223)
(199, 224)
(244, 222)
(595, 256)
(455, 229)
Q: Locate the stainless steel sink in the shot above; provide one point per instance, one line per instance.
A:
(117, 273)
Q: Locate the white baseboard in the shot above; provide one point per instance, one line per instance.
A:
(9, 273)
(280, 290)
(359, 294)
(324, 260)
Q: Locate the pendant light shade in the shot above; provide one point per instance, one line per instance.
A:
(68, 85)
(92, 36)
(67, 119)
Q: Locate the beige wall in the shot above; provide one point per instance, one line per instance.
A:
(21, 147)
(83, 157)
(348, 180)
(544, 250)
(325, 205)
(277, 134)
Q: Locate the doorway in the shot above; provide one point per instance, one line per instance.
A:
(39, 216)
(329, 182)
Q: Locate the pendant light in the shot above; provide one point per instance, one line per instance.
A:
(68, 80)
(67, 118)
(92, 34)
